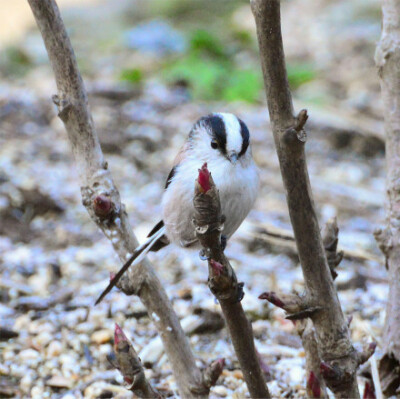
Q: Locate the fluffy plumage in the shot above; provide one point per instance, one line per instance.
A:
(221, 140)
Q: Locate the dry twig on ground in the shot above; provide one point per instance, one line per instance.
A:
(387, 58)
(102, 200)
(320, 302)
(223, 282)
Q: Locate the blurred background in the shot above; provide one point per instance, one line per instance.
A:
(152, 68)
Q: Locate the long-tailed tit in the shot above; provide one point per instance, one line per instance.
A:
(222, 141)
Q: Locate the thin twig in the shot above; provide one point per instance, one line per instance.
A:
(223, 282)
(102, 200)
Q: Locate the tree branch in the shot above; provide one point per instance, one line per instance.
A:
(387, 58)
(102, 200)
(331, 328)
(223, 282)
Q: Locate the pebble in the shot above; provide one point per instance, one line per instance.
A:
(238, 374)
(4, 370)
(37, 392)
(29, 354)
(54, 349)
(101, 336)
(220, 390)
(26, 382)
(43, 339)
(58, 381)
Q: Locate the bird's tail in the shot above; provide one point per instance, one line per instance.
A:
(138, 254)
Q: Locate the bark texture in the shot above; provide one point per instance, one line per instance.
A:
(102, 200)
(339, 358)
(387, 58)
(223, 283)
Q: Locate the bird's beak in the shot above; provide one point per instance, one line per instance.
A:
(233, 157)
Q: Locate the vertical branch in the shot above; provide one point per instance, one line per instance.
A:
(387, 59)
(102, 200)
(223, 282)
(339, 358)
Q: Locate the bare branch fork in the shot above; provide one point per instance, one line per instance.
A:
(320, 303)
(102, 200)
(223, 283)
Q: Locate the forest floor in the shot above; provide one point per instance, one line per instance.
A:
(53, 260)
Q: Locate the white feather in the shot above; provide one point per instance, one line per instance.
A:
(237, 185)
(234, 138)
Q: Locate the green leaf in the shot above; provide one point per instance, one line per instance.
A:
(243, 85)
(134, 75)
(300, 73)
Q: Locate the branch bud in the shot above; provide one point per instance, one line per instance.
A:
(216, 267)
(119, 336)
(212, 372)
(369, 392)
(292, 303)
(328, 372)
(367, 352)
(204, 178)
(102, 205)
(313, 386)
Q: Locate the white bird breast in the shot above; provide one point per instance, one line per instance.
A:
(237, 185)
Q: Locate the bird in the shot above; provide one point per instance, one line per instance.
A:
(221, 140)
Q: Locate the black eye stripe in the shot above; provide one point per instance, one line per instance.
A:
(218, 131)
(244, 131)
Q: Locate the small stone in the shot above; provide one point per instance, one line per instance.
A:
(185, 293)
(238, 374)
(36, 392)
(58, 381)
(220, 390)
(4, 370)
(101, 336)
(54, 349)
(29, 354)
(26, 382)
(43, 339)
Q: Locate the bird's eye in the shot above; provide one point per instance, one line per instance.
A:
(214, 144)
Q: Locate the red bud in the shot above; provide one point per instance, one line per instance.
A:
(119, 335)
(369, 392)
(204, 178)
(273, 298)
(313, 385)
(102, 205)
(128, 380)
(372, 346)
(112, 276)
(327, 371)
(218, 365)
(216, 267)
